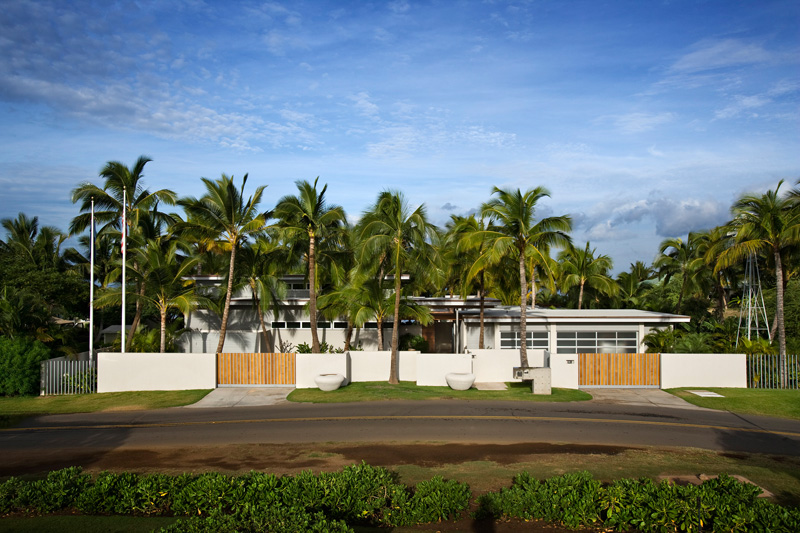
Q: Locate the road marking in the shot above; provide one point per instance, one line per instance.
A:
(405, 417)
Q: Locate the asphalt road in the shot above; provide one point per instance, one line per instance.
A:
(406, 422)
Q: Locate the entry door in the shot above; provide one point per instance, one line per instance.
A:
(255, 369)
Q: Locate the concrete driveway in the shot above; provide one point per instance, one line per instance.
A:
(640, 397)
(244, 397)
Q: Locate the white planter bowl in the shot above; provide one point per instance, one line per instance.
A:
(460, 380)
(329, 382)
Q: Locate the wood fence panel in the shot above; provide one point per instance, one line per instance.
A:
(619, 370)
(256, 369)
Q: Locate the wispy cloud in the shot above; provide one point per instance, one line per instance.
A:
(715, 54)
(742, 104)
(639, 122)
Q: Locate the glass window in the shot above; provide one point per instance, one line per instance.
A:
(509, 340)
(323, 325)
(293, 325)
(306, 325)
(340, 325)
(279, 325)
(571, 342)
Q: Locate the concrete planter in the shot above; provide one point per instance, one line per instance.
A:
(460, 380)
(329, 382)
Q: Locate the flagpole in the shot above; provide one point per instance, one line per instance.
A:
(124, 255)
(91, 286)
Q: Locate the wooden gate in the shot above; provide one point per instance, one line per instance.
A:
(255, 369)
(619, 370)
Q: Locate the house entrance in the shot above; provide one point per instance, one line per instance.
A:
(255, 369)
(621, 370)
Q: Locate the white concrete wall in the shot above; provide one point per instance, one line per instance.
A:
(564, 371)
(310, 365)
(703, 370)
(432, 367)
(497, 365)
(117, 372)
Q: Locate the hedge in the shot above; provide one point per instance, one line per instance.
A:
(20, 365)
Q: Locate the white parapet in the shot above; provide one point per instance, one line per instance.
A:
(433, 367)
(564, 371)
(310, 365)
(496, 366)
(119, 372)
(703, 370)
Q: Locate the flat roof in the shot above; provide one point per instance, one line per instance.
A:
(538, 314)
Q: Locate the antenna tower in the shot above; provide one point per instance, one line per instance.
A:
(752, 312)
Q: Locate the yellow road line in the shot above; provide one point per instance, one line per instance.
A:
(407, 417)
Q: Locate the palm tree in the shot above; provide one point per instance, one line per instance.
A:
(583, 269)
(679, 257)
(710, 244)
(162, 268)
(304, 222)
(260, 271)
(393, 234)
(768, 224)
(467, 236)
(39, 247)
(140, 207)
(518, 234)
(224, 214)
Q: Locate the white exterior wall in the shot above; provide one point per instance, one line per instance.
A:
(564, 371)
(703, 370)
(369, 366)
(310, 365)
(118, 372)
(491, 366)
(408, 365)
(432, 367)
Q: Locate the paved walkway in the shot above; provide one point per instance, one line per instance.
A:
(641, 397)
(244, 397)
(258, 396)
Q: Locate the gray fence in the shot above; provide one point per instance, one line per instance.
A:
(60, 376)
(768, 372)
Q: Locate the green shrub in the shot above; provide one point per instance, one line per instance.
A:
(20, 365)
(413, 342)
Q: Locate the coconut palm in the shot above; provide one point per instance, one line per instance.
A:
(259, 268)
(304, 222)
(768, 224)
(518, 234)
(394, 235)
(162, 267)
(224, 214)
(680, 258)
(38, 246)
(123, 184)
(581, 268)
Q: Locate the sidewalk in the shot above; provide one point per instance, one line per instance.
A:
(641, 397)
(243, 397)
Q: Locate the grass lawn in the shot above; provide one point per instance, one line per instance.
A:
(780, 403)
(21, 406)
(371, 391)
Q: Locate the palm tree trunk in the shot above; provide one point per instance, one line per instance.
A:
(137, 317)
(380, 334)
(780, 318)
(482, 297)
(265, 345)
(348, 335)
(226, 310)
(523, 315)
(163, 311)
(580, 296)
(312, 293)
(393, 371)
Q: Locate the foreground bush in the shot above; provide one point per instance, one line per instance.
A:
(576, 500)
(369, 496)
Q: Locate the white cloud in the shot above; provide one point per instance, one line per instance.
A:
(640, 122)
(742, 104)
(716, 54)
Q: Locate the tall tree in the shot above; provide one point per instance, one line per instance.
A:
(392, 233)
(224, 214)
(303, 222)
(140, 207)
(768, 224)
(583, 269)
(518, 234)
(679, 258)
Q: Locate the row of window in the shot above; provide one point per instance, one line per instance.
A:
(575, 341)
(324, 325)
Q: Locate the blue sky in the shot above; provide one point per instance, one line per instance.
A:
(644, 119)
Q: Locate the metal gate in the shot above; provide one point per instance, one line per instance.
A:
(255, 369)
(61, 376)
(620, 370)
